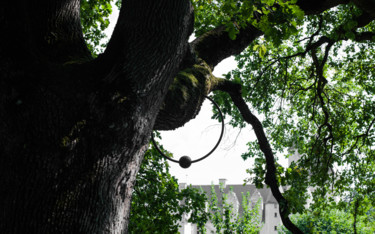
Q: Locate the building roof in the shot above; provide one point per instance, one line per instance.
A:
(239, 190)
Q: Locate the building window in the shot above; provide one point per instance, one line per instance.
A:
(275, 205)
(275, 214)
(275, 228)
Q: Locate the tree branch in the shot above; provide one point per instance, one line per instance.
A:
(234, 90)
(366, 134)
(215, 45)
(134, 60)
(212, 47)
(364, 36)
(316, 7)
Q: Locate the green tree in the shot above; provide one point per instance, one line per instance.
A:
(330, 221)
(74, 127)
(157, 203)
(226, 219)
(353, 214)
(94, 20)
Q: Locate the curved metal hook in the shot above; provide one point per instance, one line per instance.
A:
(185, 161)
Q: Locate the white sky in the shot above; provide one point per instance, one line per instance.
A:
(200, 135)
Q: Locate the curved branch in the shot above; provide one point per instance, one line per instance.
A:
(234, 90)
(215, 45)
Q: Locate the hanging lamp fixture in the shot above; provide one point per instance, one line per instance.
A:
(185, 161)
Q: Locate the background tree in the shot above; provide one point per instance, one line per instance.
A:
(157, 203)
(226, 219)
(73, 128)
(331, 221)
(94, 20)
(301, 78)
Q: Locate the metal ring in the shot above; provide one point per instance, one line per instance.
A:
(185, 161)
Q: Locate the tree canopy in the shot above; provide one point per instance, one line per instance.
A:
(74, 127)
(309, 74)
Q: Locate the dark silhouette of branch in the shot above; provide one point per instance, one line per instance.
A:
(366, 134)
(215, 45)
(234, 90)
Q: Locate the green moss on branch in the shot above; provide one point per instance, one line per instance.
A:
(185, 96)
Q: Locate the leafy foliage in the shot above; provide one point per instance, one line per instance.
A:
(331, 221)
(95, 19)
(225, 217)
(312, 82)
(353, 214)
(158, 204)
(237, 14)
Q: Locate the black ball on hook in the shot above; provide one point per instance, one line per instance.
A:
(185, 162)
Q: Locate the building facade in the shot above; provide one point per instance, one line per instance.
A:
(268, 210)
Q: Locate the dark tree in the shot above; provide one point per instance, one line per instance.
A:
(74, 129)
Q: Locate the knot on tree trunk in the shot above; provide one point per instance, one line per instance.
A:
(185, 96)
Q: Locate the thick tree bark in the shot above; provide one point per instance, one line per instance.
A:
(73, 130)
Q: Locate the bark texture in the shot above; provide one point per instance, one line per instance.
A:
(73, 130)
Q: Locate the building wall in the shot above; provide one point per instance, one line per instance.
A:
(232, 199)
(272, 218)
(268, 211)
(187, 229)
(185, 226)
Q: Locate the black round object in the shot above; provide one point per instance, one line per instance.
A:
(185, 162)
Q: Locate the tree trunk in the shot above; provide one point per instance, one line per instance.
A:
(73, 129)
